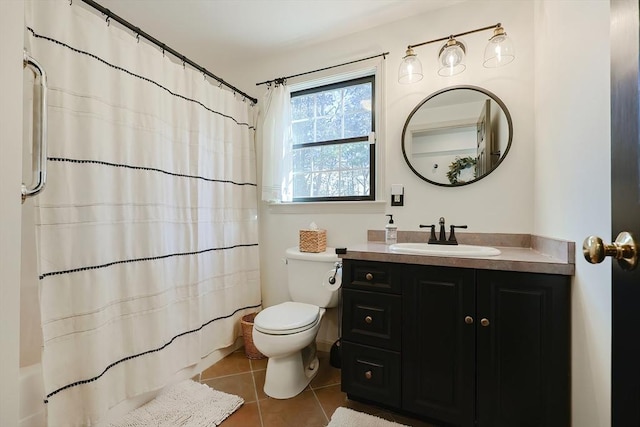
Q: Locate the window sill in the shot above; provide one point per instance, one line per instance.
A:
(375, 206)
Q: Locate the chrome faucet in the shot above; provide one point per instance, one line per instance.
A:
(442, 239)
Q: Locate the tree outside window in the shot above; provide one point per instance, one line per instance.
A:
(333, 158)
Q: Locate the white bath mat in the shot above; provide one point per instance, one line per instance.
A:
(345, 417)
(185, 404)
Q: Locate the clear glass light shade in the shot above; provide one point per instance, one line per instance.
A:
(410, 68)
(451, 58)
(499, 51)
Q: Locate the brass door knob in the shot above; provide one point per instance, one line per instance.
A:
(624, 249)
(484, 321)
(368, 319)
(369, 276)
(368, 375)
(468, 320)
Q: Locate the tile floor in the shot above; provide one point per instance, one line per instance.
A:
(312, 408)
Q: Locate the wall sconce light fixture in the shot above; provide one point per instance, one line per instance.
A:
(499, 52)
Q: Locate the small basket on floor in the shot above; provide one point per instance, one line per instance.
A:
(250, 349)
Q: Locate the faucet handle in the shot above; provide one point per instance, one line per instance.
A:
(432, 237)
(452, 236)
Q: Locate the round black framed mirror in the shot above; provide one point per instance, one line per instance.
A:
(457, 136)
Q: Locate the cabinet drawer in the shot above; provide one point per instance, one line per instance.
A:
(372, 318)
(370, 373)
(373, 276)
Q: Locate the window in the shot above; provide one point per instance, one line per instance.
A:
(333, 141)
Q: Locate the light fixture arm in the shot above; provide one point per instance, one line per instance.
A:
(411, 46)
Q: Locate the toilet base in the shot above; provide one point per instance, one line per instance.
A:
(287, 376)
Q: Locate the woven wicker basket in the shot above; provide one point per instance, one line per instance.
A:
(250, 349)
(313, 240)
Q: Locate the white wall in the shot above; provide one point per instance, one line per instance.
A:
(556, 172)
(11, 30)
(572, 179)
(501, 202)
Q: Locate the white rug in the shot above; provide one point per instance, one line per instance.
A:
(185, 404)
(345, 417)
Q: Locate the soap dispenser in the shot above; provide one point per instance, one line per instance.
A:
(390, 232)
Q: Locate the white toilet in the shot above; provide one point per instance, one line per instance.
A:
(286, 333)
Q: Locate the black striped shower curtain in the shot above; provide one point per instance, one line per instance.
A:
(147, 229)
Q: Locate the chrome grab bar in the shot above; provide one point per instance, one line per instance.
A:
(39, 177)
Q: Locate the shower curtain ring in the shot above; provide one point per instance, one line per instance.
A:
(108, 21)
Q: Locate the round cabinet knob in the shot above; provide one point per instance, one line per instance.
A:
(484, 321)
(468, 320)
(368, 319)
(369, 276)
(368, 375)
(624, 249)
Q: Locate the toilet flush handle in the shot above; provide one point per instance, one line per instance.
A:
(332, 279)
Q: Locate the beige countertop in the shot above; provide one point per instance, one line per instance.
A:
(526, 253)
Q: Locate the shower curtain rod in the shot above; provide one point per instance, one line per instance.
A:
(282, 79)
(164, 47)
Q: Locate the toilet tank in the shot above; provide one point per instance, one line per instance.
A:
(307, 277)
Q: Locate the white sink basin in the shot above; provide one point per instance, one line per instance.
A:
(444, 250)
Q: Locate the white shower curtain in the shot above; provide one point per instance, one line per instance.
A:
(147, 228)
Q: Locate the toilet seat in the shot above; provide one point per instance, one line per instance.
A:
(287, 318)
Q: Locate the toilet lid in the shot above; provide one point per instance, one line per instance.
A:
(287, 318)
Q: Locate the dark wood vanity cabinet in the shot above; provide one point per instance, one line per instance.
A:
(477, 347)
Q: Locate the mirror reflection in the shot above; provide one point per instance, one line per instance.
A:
(457, 136)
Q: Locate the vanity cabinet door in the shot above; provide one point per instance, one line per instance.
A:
(438, 344)
(523, 338)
